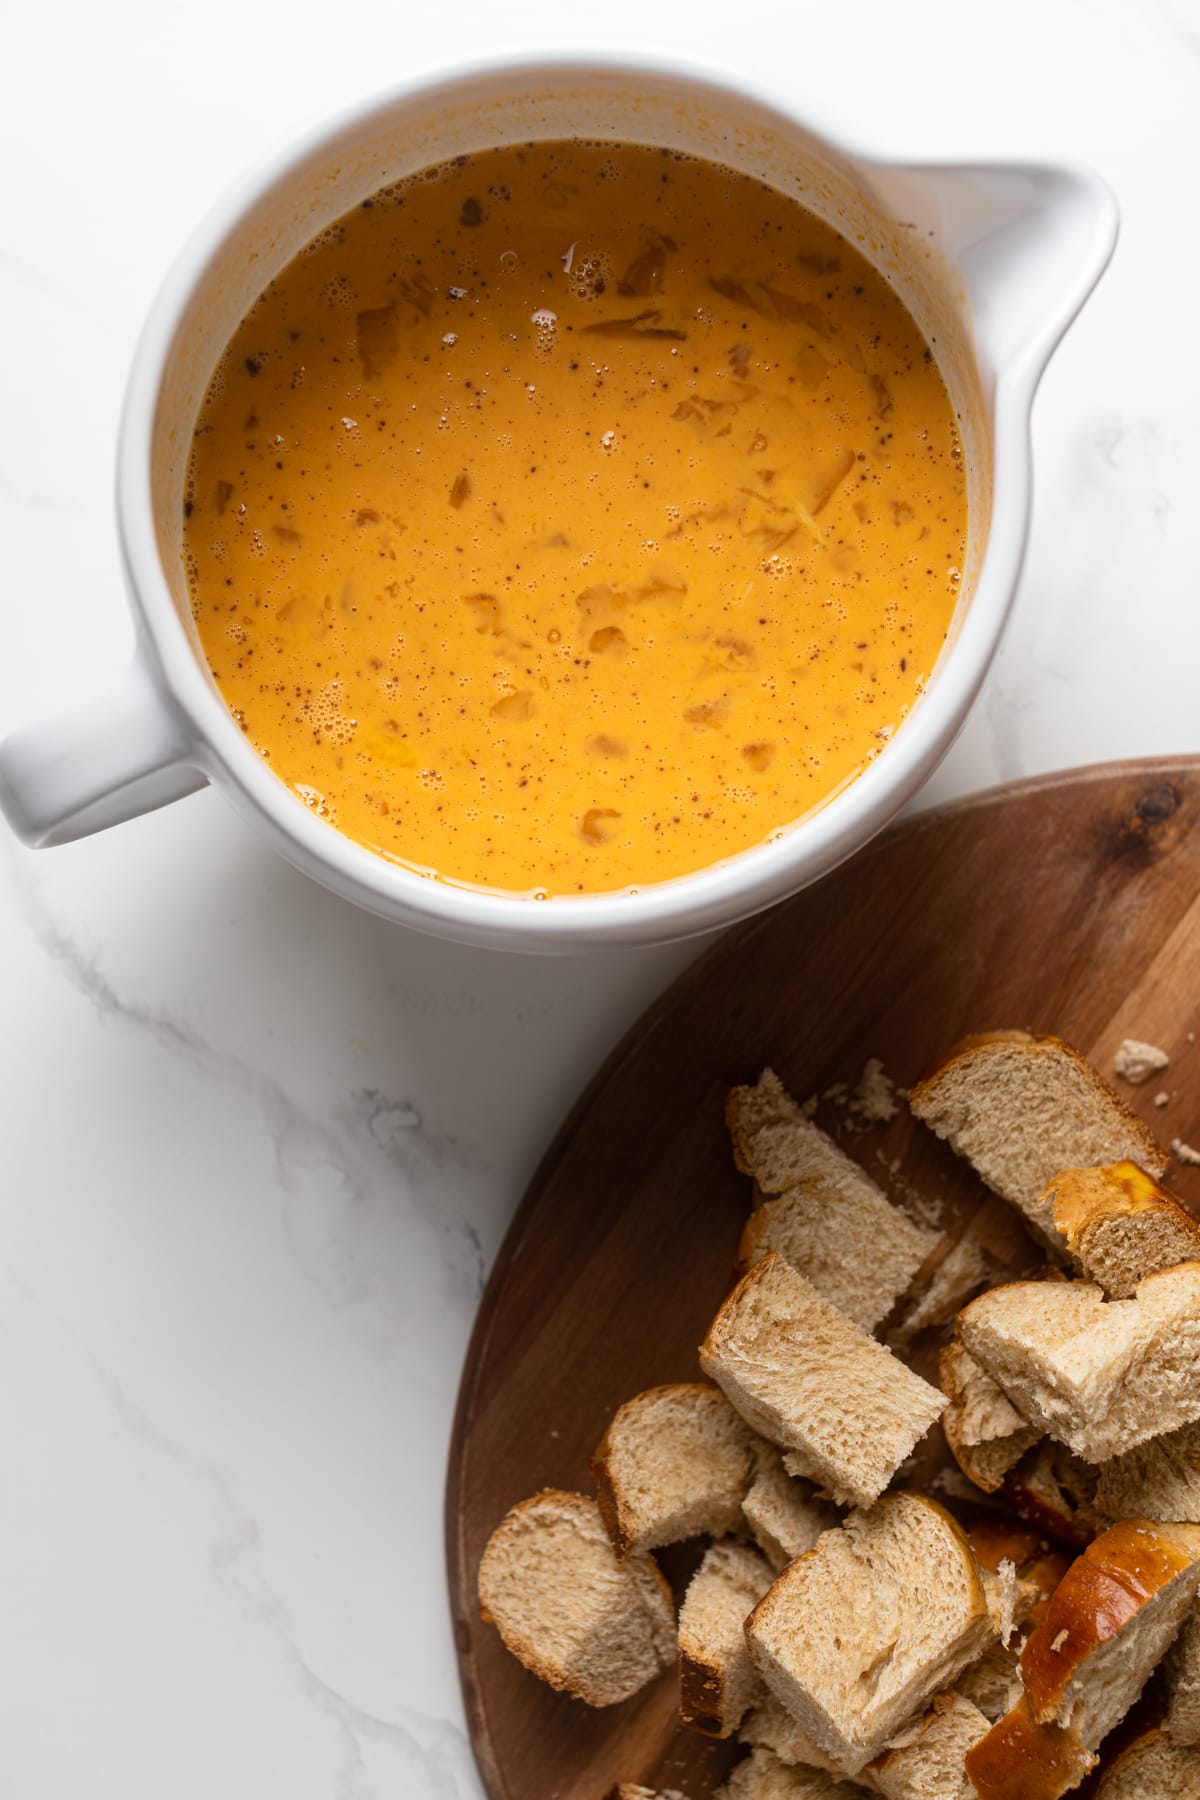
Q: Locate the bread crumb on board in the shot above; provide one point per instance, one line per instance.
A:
(1137, 1062)
(1184, 1153)
(873, 1101)
(1162, 1098)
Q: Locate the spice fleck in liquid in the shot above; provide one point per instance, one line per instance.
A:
(573, 517)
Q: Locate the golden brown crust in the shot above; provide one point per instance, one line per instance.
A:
(1100, 1593)
(1082, 1198)
(1022, 1760)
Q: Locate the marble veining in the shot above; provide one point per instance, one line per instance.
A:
(260, 1150)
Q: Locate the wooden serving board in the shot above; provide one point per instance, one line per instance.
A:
(1069, 905)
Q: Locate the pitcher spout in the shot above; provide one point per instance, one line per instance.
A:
(1029, 242)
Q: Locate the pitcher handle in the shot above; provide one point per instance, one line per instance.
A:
(116, 753)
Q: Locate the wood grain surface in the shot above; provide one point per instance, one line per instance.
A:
(1069, 905)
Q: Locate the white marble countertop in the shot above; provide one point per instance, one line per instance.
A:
(259, 1148)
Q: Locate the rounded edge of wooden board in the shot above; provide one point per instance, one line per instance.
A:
(460, 1580)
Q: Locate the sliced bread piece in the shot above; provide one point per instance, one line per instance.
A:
(807, 1378)
(1022, 1760)
(673, 1464)
(986, 1434)
(928, 1763)
(585, 1623)
(1152, 1768)
(1055, 1490)
(717, 1680)
(1110, 1620)
(1121, 1225)
(1159, 1479)
(1099, 1375)
(855, 1247)
(1183, 1682)
(857, 1635)
(832, 1223)
(1021, 1108)
(783, 1512)
(763, 1777)
(770, 1726)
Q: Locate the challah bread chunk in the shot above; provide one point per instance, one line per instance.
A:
(856, 1637)
(1152, 1768)
(783, 1513)
(831, 1222)
(1022, 1760)
(1099, 1375)
(1121, 1225)
(929, 1762)
(717, 1680)
(674, 1464)
(1159, 1479)
(806, 1377)
(1111, 1619)
(582, 1621)
(763, 1777)
(1021, 1108)
(1183, 1682)
(986, 1434)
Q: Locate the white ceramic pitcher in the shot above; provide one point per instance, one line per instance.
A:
(994, 261)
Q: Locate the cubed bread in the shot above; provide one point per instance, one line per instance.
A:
(929, 1761)
(986, 1434)
(1021, 1108)
(717, 1680)
(782, 1511)
(582, 1621)
(1183, 1682)
(806, 1377)
(1099, 1375)
(1152, 1768)
(1109, 1622)
(1022, 1760)
(857, 1635)
(831, 1222)
(1159, 1479)
(674, 1463)
(1121, 1225)
(763, 1777)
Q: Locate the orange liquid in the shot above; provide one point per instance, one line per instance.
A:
(573, 517)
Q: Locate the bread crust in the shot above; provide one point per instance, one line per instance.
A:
(1083, 1201)
(1102, 1591)
(1022, 1760)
